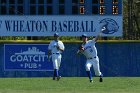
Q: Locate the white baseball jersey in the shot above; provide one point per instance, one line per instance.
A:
(90, 50)
(56, 53)
(53, 46)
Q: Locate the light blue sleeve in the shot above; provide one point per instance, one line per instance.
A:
(92, 41)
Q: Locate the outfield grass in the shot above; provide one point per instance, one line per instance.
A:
(70, 85)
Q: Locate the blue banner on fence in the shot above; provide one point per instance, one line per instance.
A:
(26, 57)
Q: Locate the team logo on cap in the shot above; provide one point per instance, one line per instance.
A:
(110, 26)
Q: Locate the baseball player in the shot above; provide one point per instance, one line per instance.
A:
(89, 50)
(55, 48)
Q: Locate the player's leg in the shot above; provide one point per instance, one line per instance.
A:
(59, 63)
(55, 66)
(88, 66)
(96, 67)
(59, 60)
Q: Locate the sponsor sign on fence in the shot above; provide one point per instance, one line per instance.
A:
(26, 57)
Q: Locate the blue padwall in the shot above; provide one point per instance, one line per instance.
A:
(116, 59)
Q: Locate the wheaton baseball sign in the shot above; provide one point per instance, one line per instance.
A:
(64, 25)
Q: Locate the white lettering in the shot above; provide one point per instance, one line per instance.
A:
(35, 58)
(12, 58)
(19, 58)
(25, 58)
(28, 58)
(30, 65)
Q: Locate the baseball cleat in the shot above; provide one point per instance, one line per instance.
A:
(58, 78)
(101, 78)
(53, 78)
(91, 81)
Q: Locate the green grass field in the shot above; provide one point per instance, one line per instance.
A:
(70, 85)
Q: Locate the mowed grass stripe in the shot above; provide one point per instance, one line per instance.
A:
(70, 85)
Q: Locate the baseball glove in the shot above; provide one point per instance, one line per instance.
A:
(81, 48)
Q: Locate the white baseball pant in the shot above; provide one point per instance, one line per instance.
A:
(95, 63)
(56, 59)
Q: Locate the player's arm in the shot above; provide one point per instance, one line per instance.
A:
(49, 54)
(97, 37)
(49, 50)
(99, 34)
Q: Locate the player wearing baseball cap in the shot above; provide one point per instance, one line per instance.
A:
(56, 47)
(89, 50)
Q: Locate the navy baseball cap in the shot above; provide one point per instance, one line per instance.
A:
(84, 35)
(56, 34)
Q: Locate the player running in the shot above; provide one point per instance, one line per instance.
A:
(56, 47)
(89, 50)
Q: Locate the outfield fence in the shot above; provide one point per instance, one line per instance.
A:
(117, 58)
